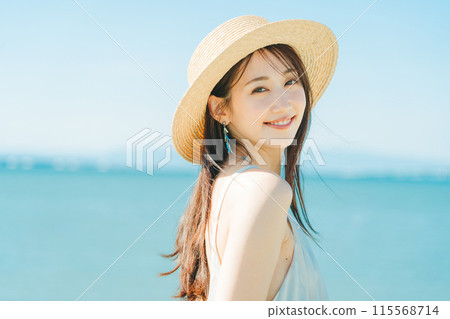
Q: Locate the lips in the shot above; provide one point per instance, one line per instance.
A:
(282, 123)
(283, 120)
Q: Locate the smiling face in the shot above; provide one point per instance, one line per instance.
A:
(266, 103)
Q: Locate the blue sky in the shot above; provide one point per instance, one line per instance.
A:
(68, 90)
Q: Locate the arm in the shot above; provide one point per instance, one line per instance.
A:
(258, 221)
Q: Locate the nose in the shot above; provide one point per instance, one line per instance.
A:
(281, 102)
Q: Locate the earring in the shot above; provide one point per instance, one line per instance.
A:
(226, 138)
(227, 141)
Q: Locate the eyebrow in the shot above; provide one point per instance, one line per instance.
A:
(262, 78)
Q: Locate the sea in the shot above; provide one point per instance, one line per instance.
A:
(99, 235)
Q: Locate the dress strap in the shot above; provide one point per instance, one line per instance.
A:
(243, 169)
(215, 218)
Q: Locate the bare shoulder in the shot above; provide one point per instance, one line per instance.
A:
(255, 195)
(258, 201)
(259, 185)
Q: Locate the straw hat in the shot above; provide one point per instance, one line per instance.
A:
(228, 44)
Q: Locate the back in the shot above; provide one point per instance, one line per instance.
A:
(253, 226)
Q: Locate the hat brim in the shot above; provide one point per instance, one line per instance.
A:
(315, 44)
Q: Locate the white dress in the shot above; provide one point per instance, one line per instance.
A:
(303, 280)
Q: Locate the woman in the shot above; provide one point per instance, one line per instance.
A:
(252, 87)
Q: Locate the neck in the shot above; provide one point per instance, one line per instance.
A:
(265, 158)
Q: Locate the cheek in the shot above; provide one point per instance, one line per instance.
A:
(257, 109)
(247, 111)
(299, 101)
(244, 120)
(299, 96)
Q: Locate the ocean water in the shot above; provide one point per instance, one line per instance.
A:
(98, 236)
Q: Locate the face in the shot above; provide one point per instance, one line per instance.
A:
(260, 106)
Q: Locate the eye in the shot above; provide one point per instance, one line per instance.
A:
(256, 90)
(294, 82)
(259, 88)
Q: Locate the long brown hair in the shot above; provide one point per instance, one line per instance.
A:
(190, 246)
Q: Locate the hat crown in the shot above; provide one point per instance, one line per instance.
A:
(219, 40)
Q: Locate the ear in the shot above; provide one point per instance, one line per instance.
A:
(214, 104)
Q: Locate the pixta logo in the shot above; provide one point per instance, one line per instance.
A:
(143, 148)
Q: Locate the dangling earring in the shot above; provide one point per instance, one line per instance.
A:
(227, 141)
(226, 138)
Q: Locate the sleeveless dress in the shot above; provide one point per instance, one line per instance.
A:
(303, 280)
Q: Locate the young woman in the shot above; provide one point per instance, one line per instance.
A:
(253, 85)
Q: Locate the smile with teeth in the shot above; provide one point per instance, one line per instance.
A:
(280, 123)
